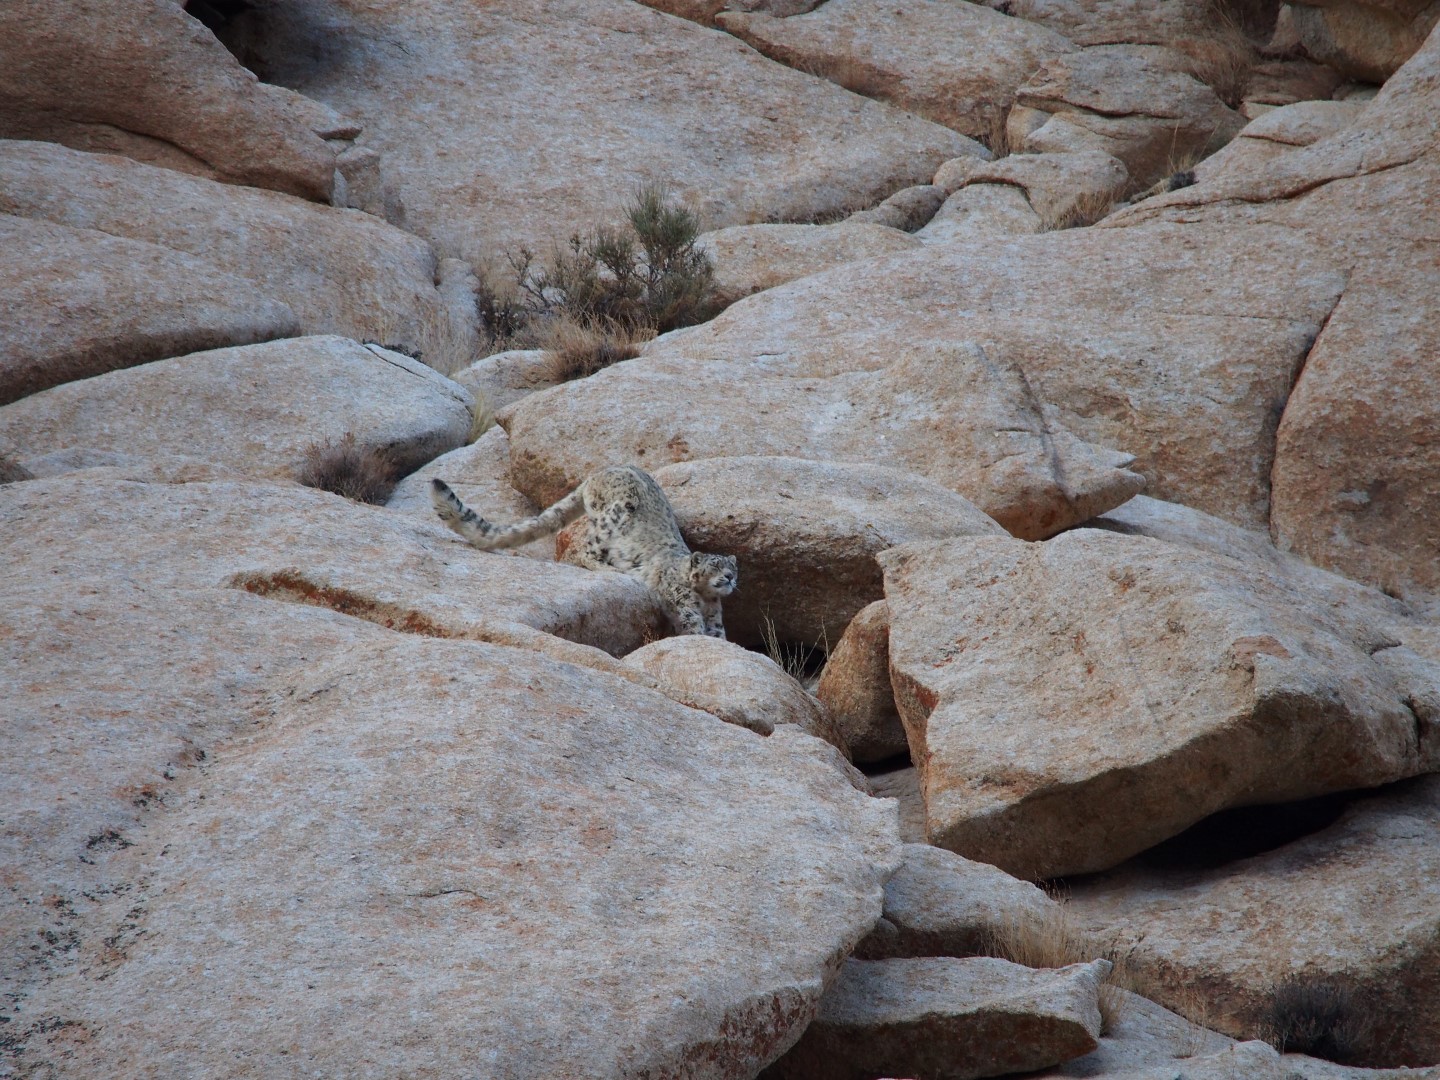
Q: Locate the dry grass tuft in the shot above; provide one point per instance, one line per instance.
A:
(1319, 1018)
(790, 657)
(481, 420)
(1053, 941)
(1221, 56)
(12, 472)
(346, 468)
(996, 137)
(1086, 210)
(575, 349)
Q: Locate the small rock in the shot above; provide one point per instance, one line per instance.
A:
(751, 258)
(855, 687)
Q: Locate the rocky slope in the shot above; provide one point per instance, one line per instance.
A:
(1094, 545)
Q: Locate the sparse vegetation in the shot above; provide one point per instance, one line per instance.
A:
(790, 657)
(346, 468)
(481, 420)
(1085, 210)
(1316, 1017)
(1221, 55)
(1053, 941)
(648, 277)
(574, 350)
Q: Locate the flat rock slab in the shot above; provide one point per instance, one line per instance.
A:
(340, 271)
(956, 64)
(438, 856)
(940, 1018)
(751, 258)
(939, 904)
(739, 686)
(1071, 703)
(294, 543)
(79, 302)
(1355, 903)
(254, 408)
(948, 413)
(460, 101)
(102, 75)
(1102, 322)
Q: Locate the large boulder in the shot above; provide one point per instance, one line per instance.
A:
(254, 408)
(145, 79)
(464, 103)
(1064, 189)
(292, 543)
(751, 258)
(949, 413)
(79, 302)
(406, 854)
(1365, 39)
(1352, 904)
(1102, 322)
(908, 56)
(340, 271)
(1072, 703)
(939, 1018)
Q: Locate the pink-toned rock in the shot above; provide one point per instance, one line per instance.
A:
(1365, 39)
(1061, 188)
(1071, 703)
(738, 686)
(406, 854)
(340, 271)
(255, 408)
(1354, 903)
(855, 687)
(939, 1018)
(979, 212)
(907, 56)
(461, 101)
(79, 302)
(948, 413)
(144, 79)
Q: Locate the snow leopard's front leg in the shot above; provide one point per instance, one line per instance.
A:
(711, 615)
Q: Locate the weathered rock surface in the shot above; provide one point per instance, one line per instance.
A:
(948, 413)
(1365, 39)
(104, 75)
(939, 904)
(504, 378)
(908, 57)
(979, 212)
(1173, 344)
(254, 408)
(1072, 703)
(340, 271)
(1059, 187)
(903, 785)
(1141, 1035)
(750, 258)
(1136, 22)
(1354, 903)
(941, 1018)
(1134, 102)
(79, 302)
(292, 543)
(739, 686)
(461, 102)
(807, 533)
(479, 474)
(909, 208)
(570, 875)
(855, 687)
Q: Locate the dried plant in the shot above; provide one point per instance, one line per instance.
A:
(346, 468)
(574, 349)
(1317, 1017)
(1087, 209)
(1220, 55)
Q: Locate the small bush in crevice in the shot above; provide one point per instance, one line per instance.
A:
(346, 468)
(1316, 1017)
(1086, 210)
(646, 277)
(574, 350)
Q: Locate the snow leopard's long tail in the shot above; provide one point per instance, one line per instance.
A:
(487, 536)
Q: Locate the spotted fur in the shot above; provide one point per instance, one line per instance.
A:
(630, 527)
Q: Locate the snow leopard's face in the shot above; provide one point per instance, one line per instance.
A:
(714, 575)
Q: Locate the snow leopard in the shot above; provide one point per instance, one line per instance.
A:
(629, 526)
